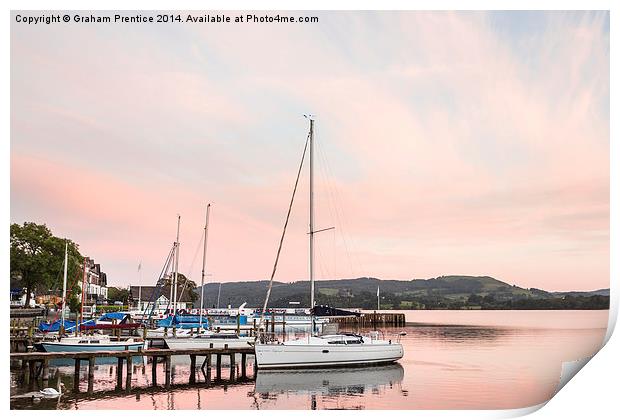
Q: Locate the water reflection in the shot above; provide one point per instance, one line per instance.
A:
(331, 383)
(446, 366)
(460, 334)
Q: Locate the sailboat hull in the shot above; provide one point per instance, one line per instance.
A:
(73, 347)
(282, 356)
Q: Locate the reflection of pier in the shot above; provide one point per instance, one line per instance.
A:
(35, 365)
(138, 391)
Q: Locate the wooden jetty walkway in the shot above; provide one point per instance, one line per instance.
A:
(370, 320)
(35, 365)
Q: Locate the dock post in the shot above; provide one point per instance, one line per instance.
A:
(154, 370)
(91, 373)
(46, 373)
(232, 366)
(129, 373)
(243, 360)
(254, 322)
(26, 372)
(192, 368)
(238, 324)
(168, 370)
(284, 326)
(119, 373)
(208, 374)
(31, 371)
(273, 324)
(76, 377)
(218, 366)
(144, 333)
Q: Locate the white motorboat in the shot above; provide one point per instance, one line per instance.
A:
(325, 350)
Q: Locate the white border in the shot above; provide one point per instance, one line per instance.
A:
(593, 395)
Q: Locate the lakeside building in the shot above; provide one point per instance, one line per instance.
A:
(96, 284)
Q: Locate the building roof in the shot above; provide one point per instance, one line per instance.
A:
(147, 293)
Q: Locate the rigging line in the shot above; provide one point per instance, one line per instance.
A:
(331, 194)
(175, 249)
(191, 267)
(334, 192)
(288, 215)
(158, 285)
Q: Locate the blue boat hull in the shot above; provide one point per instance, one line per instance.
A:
(58, 347)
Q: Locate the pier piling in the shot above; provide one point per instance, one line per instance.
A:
(168, 370)
(154, 370)
(76, 376)
(37, 364)
(119, 373)
(46, 373)
(129, 363)
(232, 366)
(91, 374)
(192, 368)
(218, 367)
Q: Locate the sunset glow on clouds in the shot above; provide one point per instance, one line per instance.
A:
(448, 143)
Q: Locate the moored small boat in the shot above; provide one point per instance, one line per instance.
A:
(91, 343)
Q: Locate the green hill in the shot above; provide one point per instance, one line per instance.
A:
(446, 292)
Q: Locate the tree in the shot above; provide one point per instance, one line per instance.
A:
(118, 293)
(37, 258)
(183, 282)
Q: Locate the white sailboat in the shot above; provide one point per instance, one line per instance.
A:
(205, 339)
(324, 350)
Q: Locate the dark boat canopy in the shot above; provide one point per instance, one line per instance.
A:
(323, 310)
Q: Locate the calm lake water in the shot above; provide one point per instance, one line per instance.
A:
(453, 360)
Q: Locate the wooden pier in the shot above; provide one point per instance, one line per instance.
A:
(35, 365)
(370, 320)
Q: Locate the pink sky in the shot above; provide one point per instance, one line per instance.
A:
(448, 143)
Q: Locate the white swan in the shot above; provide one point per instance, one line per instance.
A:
(51, 392)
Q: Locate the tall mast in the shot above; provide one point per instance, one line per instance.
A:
(83, 295)
(312, 221)
(64, 288)
(204, 258)
(176, 267)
